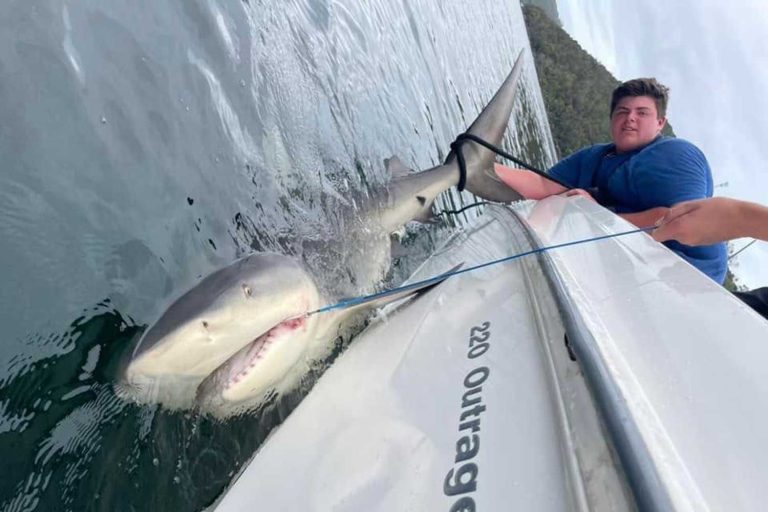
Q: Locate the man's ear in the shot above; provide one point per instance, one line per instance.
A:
(662, 123)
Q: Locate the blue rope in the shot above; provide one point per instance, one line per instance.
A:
(346, 303)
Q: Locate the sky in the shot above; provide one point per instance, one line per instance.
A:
(713, 55)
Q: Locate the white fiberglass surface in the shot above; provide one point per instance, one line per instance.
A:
(688, 357)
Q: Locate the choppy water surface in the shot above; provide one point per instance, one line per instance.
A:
(145, 144)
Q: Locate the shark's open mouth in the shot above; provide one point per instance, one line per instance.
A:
(257, 350)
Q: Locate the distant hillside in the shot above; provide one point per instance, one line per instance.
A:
(576, 87)
(548, 6)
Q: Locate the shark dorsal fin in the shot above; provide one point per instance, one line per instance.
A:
(396, 168)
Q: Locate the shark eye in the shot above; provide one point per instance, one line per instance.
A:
(205, 324)
(247, 290)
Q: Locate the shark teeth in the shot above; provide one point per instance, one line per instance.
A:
(258, 349)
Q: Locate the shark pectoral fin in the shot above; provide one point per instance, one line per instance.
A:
(431, 283)
(405, 291)
(396, 168)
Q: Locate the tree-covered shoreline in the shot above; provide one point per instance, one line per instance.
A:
(548, 6)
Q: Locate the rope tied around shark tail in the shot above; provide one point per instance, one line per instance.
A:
(456, 148)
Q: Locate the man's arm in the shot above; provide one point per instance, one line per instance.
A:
(528, 184)
(708, 221)
(645, 218)
(533, 186)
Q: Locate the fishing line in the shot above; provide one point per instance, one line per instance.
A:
(346, 303)
(741, 250)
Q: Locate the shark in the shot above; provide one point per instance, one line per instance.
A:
(244, 332)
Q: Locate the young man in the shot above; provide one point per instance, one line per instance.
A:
(709, 221)
(639, 175)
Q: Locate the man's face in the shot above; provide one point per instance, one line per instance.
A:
(635, 123)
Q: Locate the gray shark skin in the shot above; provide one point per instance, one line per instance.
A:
(243, 333)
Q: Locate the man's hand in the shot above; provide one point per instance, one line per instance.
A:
(646, 218)
(702, 222)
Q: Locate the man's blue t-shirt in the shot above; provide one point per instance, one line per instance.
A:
(665, 172)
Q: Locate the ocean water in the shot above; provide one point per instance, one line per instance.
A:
(145, 144)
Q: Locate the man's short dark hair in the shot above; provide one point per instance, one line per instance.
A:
(643, 87)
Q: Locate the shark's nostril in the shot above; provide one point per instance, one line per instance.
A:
(247, 290)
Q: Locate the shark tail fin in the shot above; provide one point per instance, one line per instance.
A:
(490, 126)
